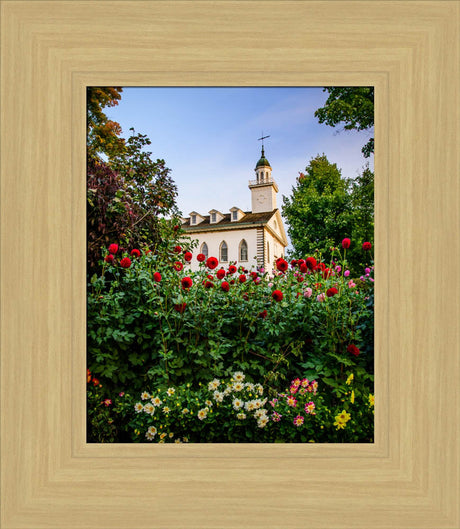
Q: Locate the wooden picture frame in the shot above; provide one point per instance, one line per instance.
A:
(50, 52)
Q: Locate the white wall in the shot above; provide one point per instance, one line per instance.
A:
(233, 239)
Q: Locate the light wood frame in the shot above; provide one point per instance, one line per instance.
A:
(409, 478)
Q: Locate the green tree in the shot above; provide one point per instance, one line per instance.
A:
(318, 212)
(103, 134)
(353, 106)
(127, 190)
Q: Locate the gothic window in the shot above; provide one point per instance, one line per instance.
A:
(204, 250)
(243, 250)
(223, 252)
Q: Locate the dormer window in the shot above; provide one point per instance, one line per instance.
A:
(193, 219)
(213, 217)
(235, 215)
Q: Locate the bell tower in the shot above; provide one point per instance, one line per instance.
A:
(263, 188)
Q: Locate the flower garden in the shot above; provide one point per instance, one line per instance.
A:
(226, 354)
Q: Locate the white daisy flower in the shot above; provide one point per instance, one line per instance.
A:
(250, 406)
(238, 376)
(259, 388)
(208, 403)
(227, 390)
(152, 430)
(262, 422)
(241, 416)
(145, 396)
(138, 407)
(238, 386)
(185, 411)
(218, 396)
(149, 408)
(258, 414)
(237, 404)
(170, 392)
(156, 401)
(171, 435)
(249, 386)
(257, 403)
(214, 384)
(202, 414)
(162, 435)
(166, 409)
(150, 436)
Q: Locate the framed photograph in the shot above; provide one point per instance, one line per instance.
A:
(51, 53)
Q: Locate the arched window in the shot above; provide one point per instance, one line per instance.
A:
(243, 250)
(268, 252)
(223, 252)
(204, 250)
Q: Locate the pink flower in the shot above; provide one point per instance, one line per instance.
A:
(321, 297)
(107, 402)
(308, 292)
(291, 401)
(351, 284)
(276, 417)
(310, 407)
(298, 421)
(367, 270)
(346, 273)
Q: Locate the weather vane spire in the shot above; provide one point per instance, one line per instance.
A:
(262, 140)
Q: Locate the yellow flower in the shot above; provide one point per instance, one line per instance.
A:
(371, 400)
(352, 398)
(350, 379)
(339, 425)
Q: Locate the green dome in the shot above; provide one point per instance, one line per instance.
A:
(263, 162)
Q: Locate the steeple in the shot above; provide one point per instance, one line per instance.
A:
(263, 188)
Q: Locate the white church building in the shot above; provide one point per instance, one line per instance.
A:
(251, 239)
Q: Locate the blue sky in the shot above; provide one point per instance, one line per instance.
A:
(208, 138)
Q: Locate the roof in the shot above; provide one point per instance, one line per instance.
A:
(249, 218)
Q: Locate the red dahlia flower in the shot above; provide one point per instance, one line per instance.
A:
(157, 277)
(327, 273)
(186, 282)
(176, 228)
(367, 245)
(177, 249)
(188, 256)
(263, 314)
(178, 266)
(331, 292)
(113, 248)
(95, 382)
(108, 258)
(212, 262)
(200, 257)
(125, 262)
(231, 269)
(180, 307)
(208, 284)
(352, 349)
(242, 278)
(282, 265)
(220, 273)
(225, 286)
(299, 279)
(303, 268)
(135, 253)
(277, 295)
(293, 262)
(311, 263)
(346, 243)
